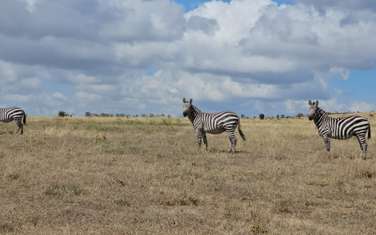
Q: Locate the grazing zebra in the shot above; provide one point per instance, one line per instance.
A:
(340, 128)
(212, 123)
(13, 114)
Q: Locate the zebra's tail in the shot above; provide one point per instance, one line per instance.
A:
(369, 131)
(24, 119)
(241, 132)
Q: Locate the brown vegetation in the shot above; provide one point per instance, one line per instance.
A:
(139, 176)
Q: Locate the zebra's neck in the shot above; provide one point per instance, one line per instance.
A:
(193, 115)
(320, 118)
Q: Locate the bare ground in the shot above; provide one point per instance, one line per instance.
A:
(146, 176)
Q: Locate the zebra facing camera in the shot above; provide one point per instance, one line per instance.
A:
(313, 103)
(185, 101)
(185, 106)
(313, 108)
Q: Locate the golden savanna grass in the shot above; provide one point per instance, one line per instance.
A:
(146, 176)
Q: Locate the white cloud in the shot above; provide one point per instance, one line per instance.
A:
(143, 56)
(295, 106)
(362, 106)
(344, 4)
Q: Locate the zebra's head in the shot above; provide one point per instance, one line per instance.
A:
(187, 107)
(313, 108)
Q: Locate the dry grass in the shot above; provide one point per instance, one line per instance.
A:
(146, 176)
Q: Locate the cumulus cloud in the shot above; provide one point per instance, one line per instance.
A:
(345, 4)
(362, 106)
(137, 56)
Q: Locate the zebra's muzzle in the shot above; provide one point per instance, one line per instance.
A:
(185, 114)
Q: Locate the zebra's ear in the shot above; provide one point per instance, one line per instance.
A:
(184, 100)
(317, 103)
(310, 102)
(190, 101)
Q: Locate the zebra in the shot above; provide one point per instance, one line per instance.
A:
(339, 128)
(14, 114)
(212, 123)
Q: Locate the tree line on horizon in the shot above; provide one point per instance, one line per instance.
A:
(261, 116)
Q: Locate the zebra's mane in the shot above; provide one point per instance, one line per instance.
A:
(192, 115)
(320, 111)
(328, 115)
(320, 115)
(197, 110)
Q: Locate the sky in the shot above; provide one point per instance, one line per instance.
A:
(140, 56)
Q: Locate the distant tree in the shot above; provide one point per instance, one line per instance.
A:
(242, 116)
(62, 114)
(87, 114)
(300, 115)
(106, 115)
(282, 116)
(262, 116)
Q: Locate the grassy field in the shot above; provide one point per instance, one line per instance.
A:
(146, 176)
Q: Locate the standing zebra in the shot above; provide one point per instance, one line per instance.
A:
(13, 114)
(340, 128)
(212, 123)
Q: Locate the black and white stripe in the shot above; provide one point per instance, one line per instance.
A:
(14, 114)
(340, 128)
(212, 123)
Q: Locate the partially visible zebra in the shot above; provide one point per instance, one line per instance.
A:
(340, 128)
(212, 123)
(14, 114)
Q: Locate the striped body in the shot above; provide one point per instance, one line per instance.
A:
(341, 128)
(13, 114)
(213, 123)
(216, 123)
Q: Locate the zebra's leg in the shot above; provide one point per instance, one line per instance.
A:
(205, 140)
(19, 126)
(232, 140)
(199, 134)
(363, 144)
(327, 143)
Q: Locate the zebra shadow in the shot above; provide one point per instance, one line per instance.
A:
(215, 150)
(343, 156)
